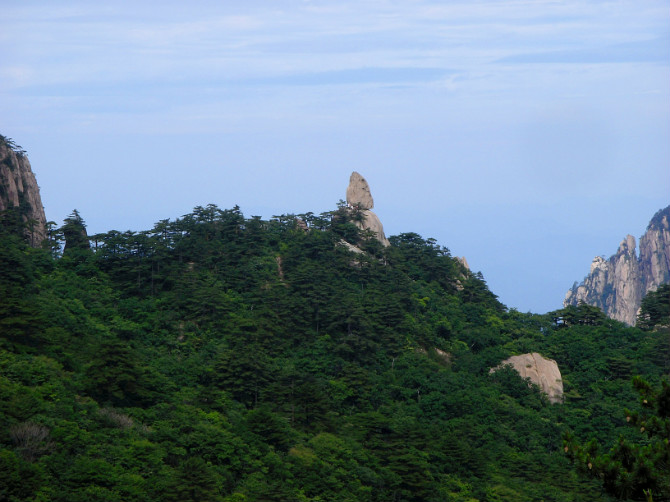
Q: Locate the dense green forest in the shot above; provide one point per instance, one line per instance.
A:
(224, 358)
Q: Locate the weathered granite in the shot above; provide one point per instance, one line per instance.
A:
(371, 222)
(617, 285)
(358, 192)
(19, 190)
(463, 262)
(359, 199)
(541, 371)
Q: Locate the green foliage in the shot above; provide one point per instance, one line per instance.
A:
(655, 308)
(113, 376)
(74, 233)
(194, 481)
(637, 470)
(218, 357)
(11, 144)
(580, 315)
(19, 479)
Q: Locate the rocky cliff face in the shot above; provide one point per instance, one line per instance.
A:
(619, 284)
(19, 191)
(541, 371)
(359, 198)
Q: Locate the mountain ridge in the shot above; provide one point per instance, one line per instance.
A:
(618, 284)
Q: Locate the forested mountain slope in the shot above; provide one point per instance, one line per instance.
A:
(226, 358)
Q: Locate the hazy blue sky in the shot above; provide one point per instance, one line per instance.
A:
(528, 136)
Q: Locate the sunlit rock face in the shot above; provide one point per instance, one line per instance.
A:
(541, 371)
(358, 192)
(19, 190)
(618, 285)
(655, 251)
(359, 198)
(463, 262)
(371, 222)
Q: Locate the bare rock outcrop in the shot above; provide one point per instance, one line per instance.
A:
(19, 191)
(359, 198)
(655, 251)
(617, 285)
(463, 262)
(541, 371)
(371, 222)
(358, 192)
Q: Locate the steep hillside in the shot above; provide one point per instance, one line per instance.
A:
(307, 358)
(223, 358)
(619, 284)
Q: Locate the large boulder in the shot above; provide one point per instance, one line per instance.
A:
(358, 192)
(541, 371)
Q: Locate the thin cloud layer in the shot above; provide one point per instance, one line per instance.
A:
(280, 39)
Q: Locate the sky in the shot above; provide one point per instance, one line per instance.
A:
(527, 136)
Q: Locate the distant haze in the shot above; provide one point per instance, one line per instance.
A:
(526, 136)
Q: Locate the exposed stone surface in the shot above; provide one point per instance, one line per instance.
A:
(351, 247)
(355, 262)
(359, 203)
(18, 189)
(541, 371)
(444, 357)
(655, 251)
(359, 198)
(371, 222)
(619, 284)
(301, 224)
(280, 267)
(463, 262)
(358, 192)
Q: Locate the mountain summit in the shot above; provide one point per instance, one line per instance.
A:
(358, 192)
(619, 284)
(359, 199)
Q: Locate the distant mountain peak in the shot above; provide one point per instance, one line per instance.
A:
(617, 285)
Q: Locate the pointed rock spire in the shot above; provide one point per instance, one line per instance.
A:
(358, 192)
(360, 199)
